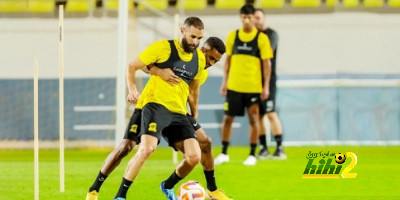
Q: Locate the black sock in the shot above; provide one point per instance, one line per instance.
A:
(225, 147)
(263, 141)
(211, 185)
(123, 188)
(98, 182)
(172, 181)
(253, 149)
(278, 139)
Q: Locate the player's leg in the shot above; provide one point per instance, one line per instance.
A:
(155, 118)
(263, 153)
(146, 148)
(207, 160)
(277, 131)
(114, 158)
(181, 137)
(253, 116)
(234, 106)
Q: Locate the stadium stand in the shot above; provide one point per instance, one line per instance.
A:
(373, 3)
(11, 6)
(272, 3)
(305, 3)
(158, 4)
(229, 4)
(41, 6)
(394, 3)
(350, 3)
(192, 5)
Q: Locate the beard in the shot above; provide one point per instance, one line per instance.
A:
(188, 48)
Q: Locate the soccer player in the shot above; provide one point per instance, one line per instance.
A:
(213, 49)
(268, 107)
(164, 105)
(246, 50)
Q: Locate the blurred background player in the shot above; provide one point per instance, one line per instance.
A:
(268, 107)
(242, 85)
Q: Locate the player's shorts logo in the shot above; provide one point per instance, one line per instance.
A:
(226, 106)
(153, 127)
(134, 128)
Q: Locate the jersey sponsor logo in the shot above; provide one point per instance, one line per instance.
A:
(153, 127)
(134, 128)
(245, 47)
(182, 72)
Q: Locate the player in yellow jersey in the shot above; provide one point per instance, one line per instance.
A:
(213, 49)
(163, 104)
(246, 50)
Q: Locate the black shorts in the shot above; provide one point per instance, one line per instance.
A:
(196, 126)
(236, 102)
(159, 121)
(173, 134)
(268, 105)
(133, 129)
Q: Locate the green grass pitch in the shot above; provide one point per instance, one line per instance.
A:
(378, 170)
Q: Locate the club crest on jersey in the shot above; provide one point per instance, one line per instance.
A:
(134, 128)
(153, 127)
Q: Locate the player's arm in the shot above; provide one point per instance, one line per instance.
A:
(227, 66)
(193, 99)
(166, 74)
(133, 94)
(266, 64)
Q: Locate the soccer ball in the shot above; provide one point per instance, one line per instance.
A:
(340, 158)
(191, 190)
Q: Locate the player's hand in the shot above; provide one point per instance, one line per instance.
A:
(133, 96)
(223, 90)
(169, 76)
(264, 94)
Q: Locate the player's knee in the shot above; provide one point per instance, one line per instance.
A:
(193, 159)
(145, 151)
(206, 145)
(228, 119)
(125, 148)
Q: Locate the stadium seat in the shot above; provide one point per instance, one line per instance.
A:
(77, 6)
(394, 3)
(373, 3)
(192, 4)
(331, 3)
(305, 3)
(229, 4)
(350, 3)
(113, 5)
(41, 6)
(10, 6)
(157, 4)
(272, 3)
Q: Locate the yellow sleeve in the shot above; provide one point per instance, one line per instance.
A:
(155, 53)
(201, 72)
(230, 40)
(265, 47)
(204, 78)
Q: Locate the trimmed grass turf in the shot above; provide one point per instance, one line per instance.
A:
(378, 175)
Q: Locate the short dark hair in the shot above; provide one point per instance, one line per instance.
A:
(261, 10)
(247, 9)
(194, 21)
(217, 44)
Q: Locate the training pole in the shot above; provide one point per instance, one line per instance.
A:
(61, 95)
(36, 128)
